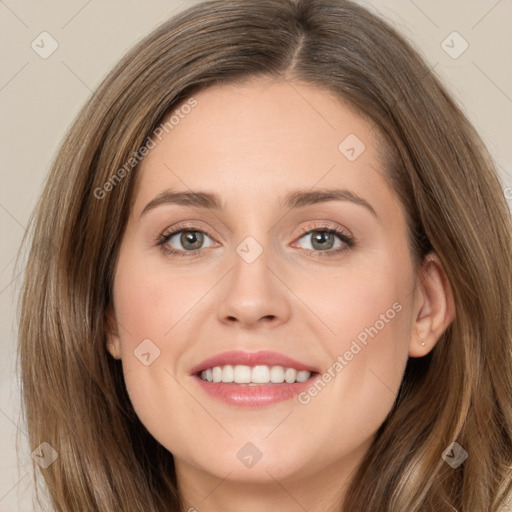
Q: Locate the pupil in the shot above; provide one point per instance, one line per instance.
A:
(320, 238)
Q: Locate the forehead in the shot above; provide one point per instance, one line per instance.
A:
(262, 137)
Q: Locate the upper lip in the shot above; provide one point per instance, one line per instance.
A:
(262, 357)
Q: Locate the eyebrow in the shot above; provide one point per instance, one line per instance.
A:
(293, 200)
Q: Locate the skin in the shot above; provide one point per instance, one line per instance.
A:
(252, 143)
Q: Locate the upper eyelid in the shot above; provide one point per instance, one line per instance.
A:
(196, 226)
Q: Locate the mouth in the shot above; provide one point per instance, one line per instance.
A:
(253, 378)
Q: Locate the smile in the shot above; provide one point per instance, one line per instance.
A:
(253, 379)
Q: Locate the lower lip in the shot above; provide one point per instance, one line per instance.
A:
(253, 395)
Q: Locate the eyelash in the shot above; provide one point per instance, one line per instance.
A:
(326, 228)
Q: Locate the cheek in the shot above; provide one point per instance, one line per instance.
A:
(363, 301)
(155, 302)
(368, 313)
(155, 314)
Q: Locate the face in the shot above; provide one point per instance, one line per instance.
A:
(321, 284)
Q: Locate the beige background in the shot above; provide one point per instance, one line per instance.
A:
(40, 97)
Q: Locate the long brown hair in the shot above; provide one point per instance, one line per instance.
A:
(74, 393)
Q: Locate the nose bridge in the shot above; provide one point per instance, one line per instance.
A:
(251, 276)
(252, 261)
(253, 291)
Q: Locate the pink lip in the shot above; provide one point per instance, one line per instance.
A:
(263, 357)
(253, 395)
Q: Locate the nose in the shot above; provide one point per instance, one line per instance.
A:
(254, 293)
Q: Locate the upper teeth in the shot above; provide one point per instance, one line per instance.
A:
(261, 374)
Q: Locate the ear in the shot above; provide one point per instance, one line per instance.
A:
(113, 343)
(434, 307)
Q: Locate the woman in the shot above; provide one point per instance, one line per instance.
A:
(369, 370)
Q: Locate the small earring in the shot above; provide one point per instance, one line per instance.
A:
(422, 343)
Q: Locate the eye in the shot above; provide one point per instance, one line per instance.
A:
(188, 241)
(189, 238)
(322, 240)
